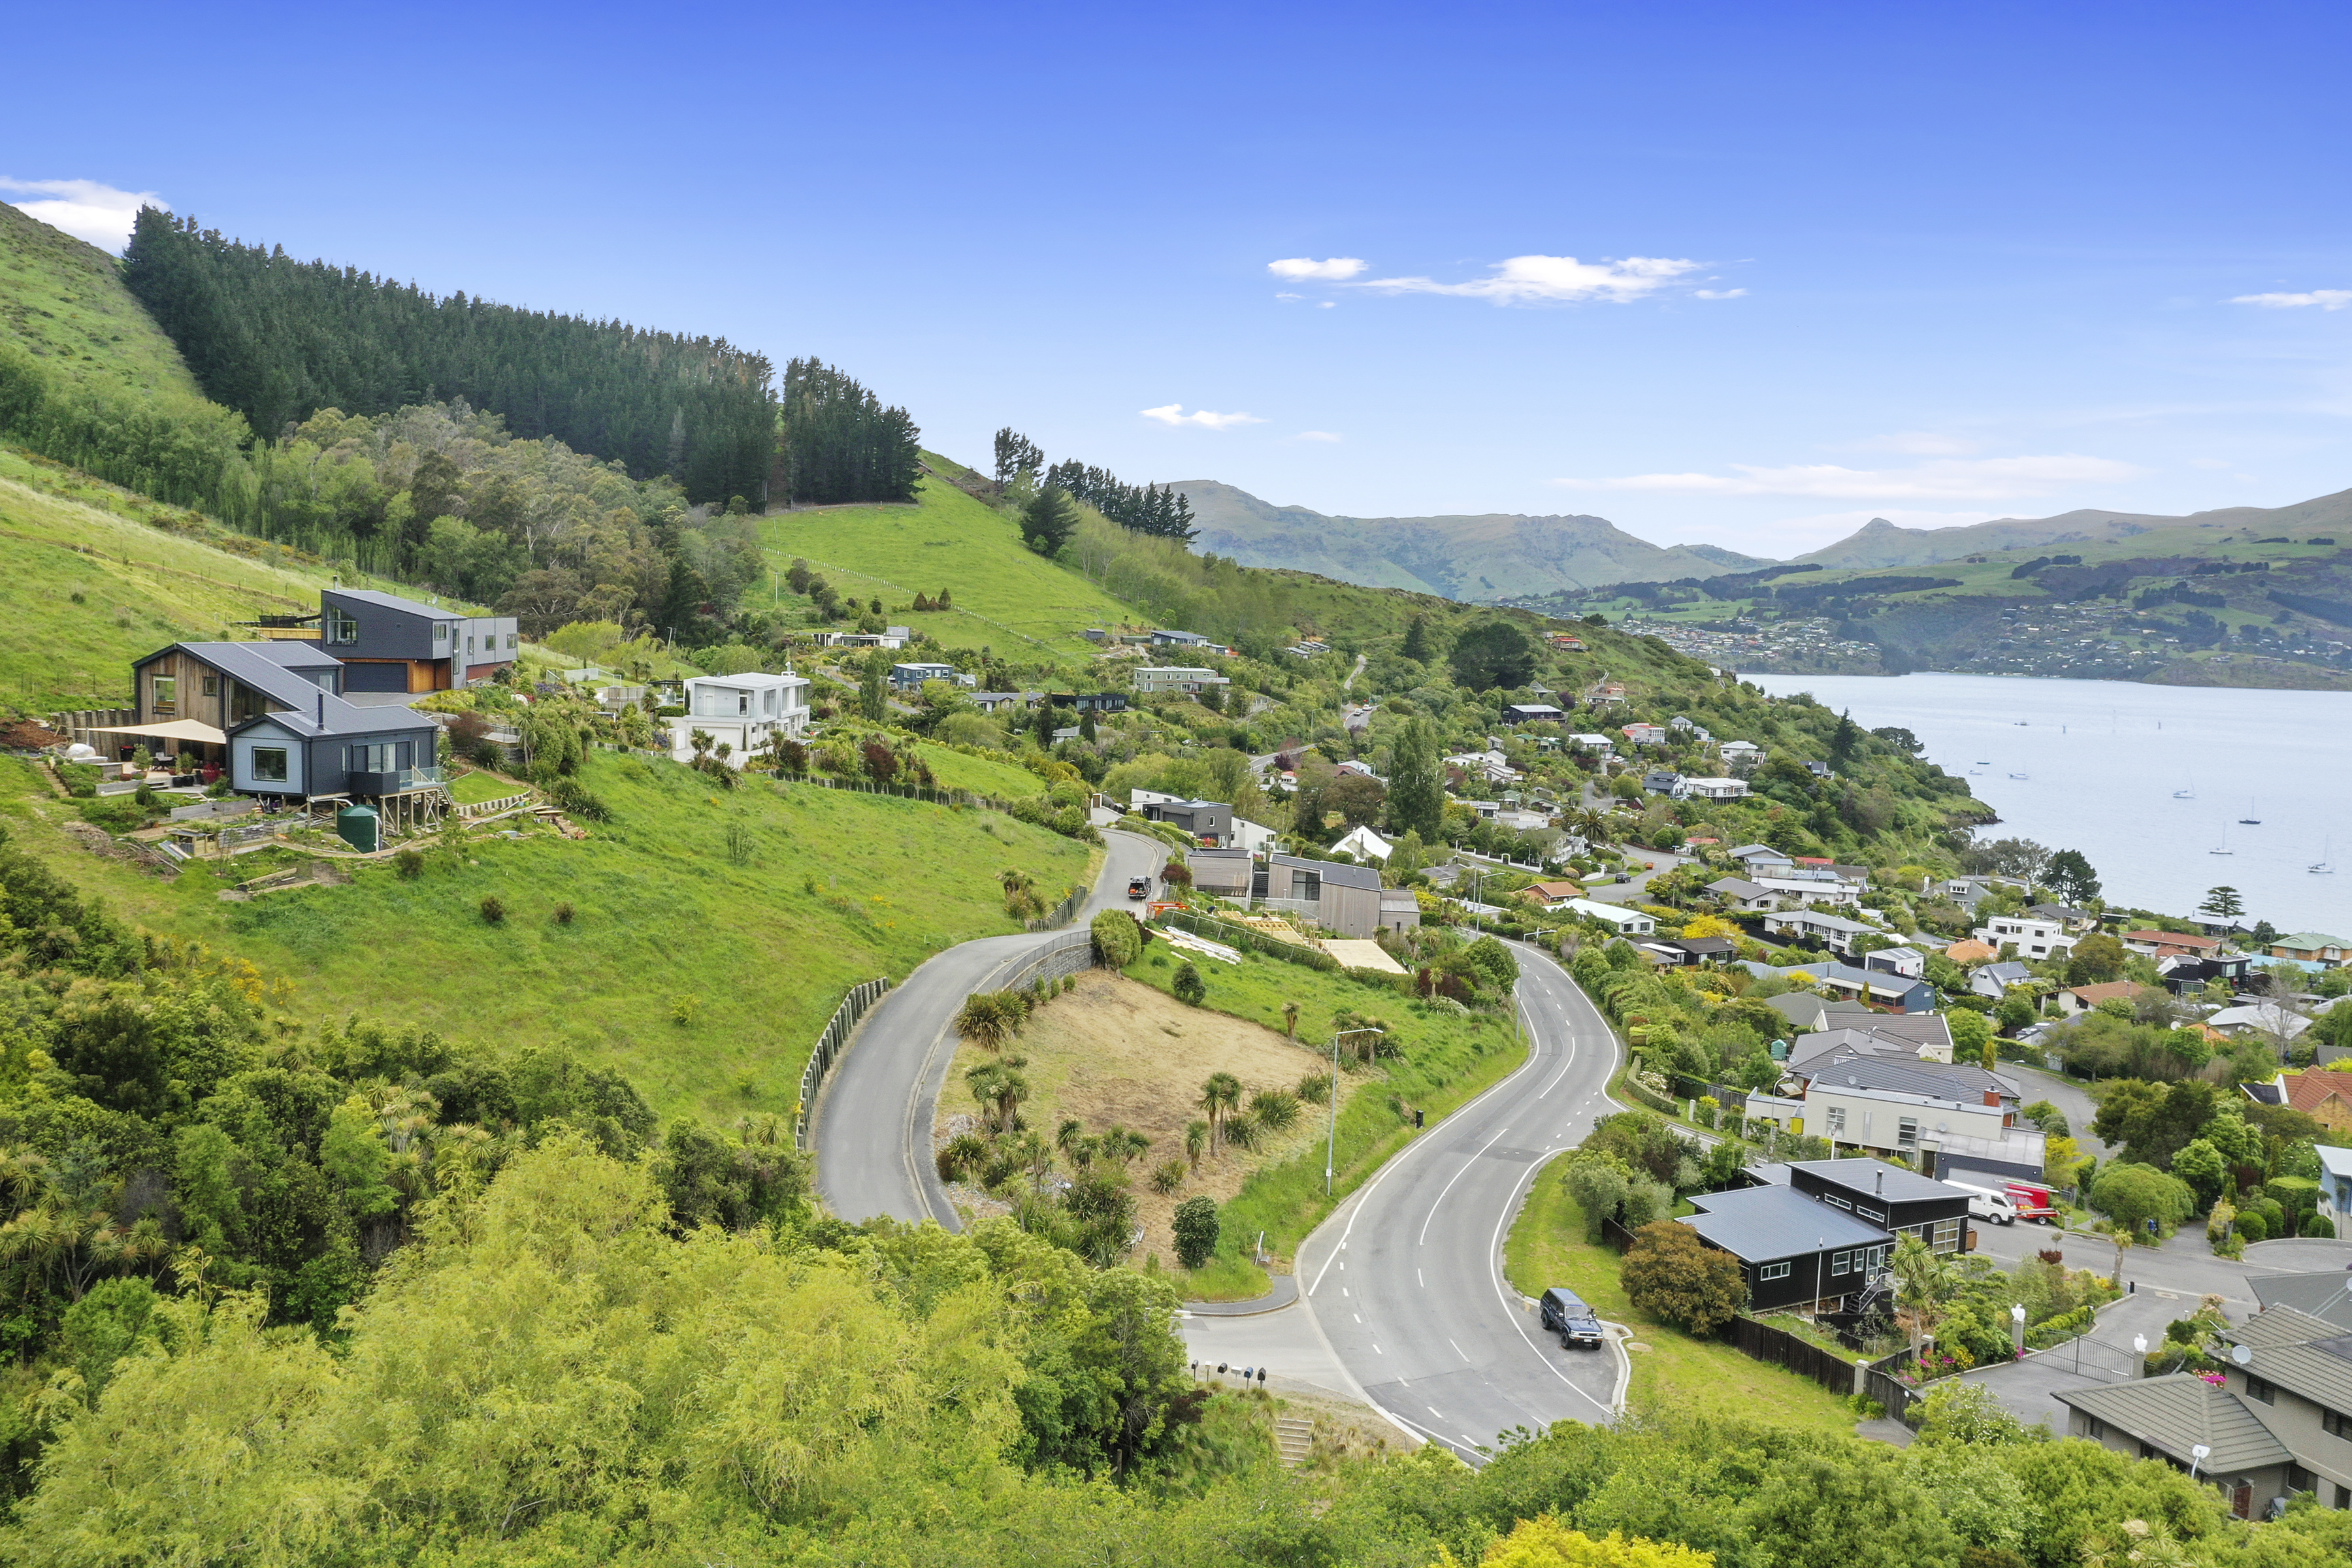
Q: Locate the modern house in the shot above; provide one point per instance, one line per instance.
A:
(329, 748)
(891, 638)
(1532, 713)
(1873, 987)
(1597, 745)
(742, 710)
(1714, 789)
(1738, 752)
(1918, 1109)
(386, 643)
(1399, 910)
(1190, 682)
(911, 676)
(1907, 962)
(1644, 734)
(1345, 899)
(2033, 938)
(220, 685)
(1904, 1202)
(1188, 639)
(1209, 823)
(1004, 701)
(2279, 1423)
(1090, 701)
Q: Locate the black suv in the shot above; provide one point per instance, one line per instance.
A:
(1565, 1314)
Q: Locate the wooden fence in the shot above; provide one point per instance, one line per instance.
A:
(493, 807)
(831, 1042)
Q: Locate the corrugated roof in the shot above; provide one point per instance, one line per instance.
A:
(2176, 1412)
(1757, 1225)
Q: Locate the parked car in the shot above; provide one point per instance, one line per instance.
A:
(1985, 1204)
(1565, 1314)
(1139, 888)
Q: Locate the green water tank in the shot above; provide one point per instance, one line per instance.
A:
(359, 826)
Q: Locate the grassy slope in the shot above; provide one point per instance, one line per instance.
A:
(663, 914)
(981, 775)
(148, 574)
(1547, 1248)
(1005, 595)
(1447, 1061)
(64, 302)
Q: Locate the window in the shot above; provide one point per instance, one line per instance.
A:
(1906, 1132)
(1947, 1237)
(1841, 1263)
(2335, 1423)
(440, 631)
(270, 765)
(2260, 1389)
(1838, 1203)
(470, 642)
(2299, 1479)
(743, 703)
(211, 686)
(1837, 1120)
(340, 627)
(510, 641)
(2098, 1429)
(166, 690)
(1773, 1271)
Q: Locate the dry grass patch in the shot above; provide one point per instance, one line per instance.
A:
(1113, 1051)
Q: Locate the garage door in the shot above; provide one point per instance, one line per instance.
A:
(388, 675)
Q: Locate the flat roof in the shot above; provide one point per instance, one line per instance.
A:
(1861, 1176)
(395, 602)
(1760, 1223)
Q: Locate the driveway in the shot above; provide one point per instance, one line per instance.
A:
(872, 1125)
(2073, 1100)
(1635, 889)
(2167, 1282)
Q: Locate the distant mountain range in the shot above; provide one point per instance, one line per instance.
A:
(1497, 555)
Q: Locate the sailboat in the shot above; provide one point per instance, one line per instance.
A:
(2223, 847)
(2250, 820)
(2188, 794)
(2321, 866)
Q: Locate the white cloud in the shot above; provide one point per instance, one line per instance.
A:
(1989, 479)
(1535, 279)
(1721, 294)
(1173, 415)
(2325, 298)
(1318, 436)
(1300, 268)
(1287, 295)
(83, 209)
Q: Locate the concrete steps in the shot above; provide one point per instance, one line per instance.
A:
(1294, 1438)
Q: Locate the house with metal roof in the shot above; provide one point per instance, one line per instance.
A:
(1793, 1250)
(2279, 1423)
(1342, 899)
(387, 643)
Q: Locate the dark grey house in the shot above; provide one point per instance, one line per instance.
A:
(386, 643)
(1210, 822)
(327, 748)
(1900, 1201)
(1792, 1251)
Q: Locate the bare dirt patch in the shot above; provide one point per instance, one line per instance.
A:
(1116, 1050)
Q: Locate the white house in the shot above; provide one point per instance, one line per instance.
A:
(1739, 893)
(1740, 751)
(2034, 938)
(1714, 789)
(1178, 677)
(1599, 745)
(1907, 962)
(1809, 888)
(2336, 1185)
(1646, 734)
(892, 638)
(1845, 1107)
(741, 710)
(1761, 858)
(1629, 922)
(1833, 932)
(1363, 844)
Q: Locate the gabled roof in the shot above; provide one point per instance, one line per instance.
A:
(2177, 1413)
(2322, 1298)
(1757, 1225)
(1968, 950)
(2009, 973)
(2311, 940)
(2308, 1355)
(2307, 1091)
(2107, 990)
(1954, 1081)
(1738, 887)
(1763, 851)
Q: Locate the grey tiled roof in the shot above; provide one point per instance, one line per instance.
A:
(2178, 1412)
(1939, 1080)
(2322, 1296)
(2307, 1355)
(1760, 1223)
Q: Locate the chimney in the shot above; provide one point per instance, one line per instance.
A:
(1882, 1182)
(1992, 1096)
(322, 707)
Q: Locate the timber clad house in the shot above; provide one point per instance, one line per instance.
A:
(389, 644)
(1812, 1232)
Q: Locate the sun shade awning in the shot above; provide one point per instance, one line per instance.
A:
(176, 730)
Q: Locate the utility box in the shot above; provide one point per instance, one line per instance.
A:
(359, 826)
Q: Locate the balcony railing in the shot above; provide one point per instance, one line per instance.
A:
(395, 781)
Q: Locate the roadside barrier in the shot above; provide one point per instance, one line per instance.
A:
(830, 1043)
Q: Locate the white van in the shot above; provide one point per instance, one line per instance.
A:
(1984, 1202)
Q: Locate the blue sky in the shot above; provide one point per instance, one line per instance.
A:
(1737, 274)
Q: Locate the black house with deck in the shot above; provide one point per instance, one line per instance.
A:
(1900, 1201)
(1792, 1251)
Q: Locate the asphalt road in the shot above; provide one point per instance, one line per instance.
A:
(872, 1128)
(1404, 1280)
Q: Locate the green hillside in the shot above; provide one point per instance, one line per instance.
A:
(91, 576)
(1005, 595)
(701, 978)
(63, 302)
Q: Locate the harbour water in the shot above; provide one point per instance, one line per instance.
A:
(2100, 766)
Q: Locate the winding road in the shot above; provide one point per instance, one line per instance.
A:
(1403, 1304)
(873, 1122)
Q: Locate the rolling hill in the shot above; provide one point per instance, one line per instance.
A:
(1880, 544)
(1485, 556)
(63, 301)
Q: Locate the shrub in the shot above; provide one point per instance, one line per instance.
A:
(1166, 1176)
(408, 864)
(1119, 937)
(576, 799)
(493, 908)
(1277, 1108)
(1188, 986)
(1196, 1231)
(1673, 1276)
(2320, 1227)
(1314, 1089)
(2251, 1225)
(563, 913)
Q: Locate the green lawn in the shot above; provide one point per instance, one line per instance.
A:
(1007, 596)
(838, 888)
(1547, 1248)
(473, 788)
(1446, 1060)
(65, 301)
